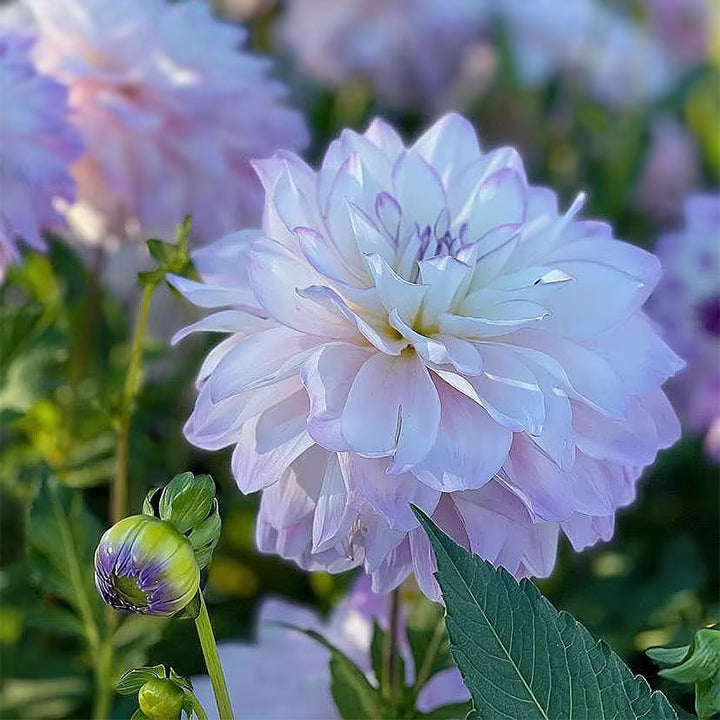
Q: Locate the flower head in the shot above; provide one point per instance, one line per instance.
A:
(687, 306)
(37, 146)
(171, 110)
(423, 325)
(252, 669)
(144, 565)
(615, 58)
(407, 50)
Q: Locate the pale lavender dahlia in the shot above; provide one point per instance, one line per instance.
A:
(252, 670)
(408, 51)
(171, 109)
(37, 146)
(687, 306)
(423, 325)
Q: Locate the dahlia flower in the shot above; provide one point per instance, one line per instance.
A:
(37, 145)
(687, 306)
(407, 50)
(423, 325)
(252, 670)
(618, 61)
(171, 109)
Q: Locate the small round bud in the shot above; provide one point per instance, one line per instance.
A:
(144, 565)
(161, 699)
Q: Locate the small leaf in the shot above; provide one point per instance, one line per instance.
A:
(186, 500)
(428, 641)
(522, 659)
(354, 696)
(667, 656)
(161, 252)
(133, 680)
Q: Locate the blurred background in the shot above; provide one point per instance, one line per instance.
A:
(616, 98)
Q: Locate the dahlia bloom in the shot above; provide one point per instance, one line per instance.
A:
(252, 670)
(687, 305)
(170, 108)
(37, 145)
(423, 325)
(618, 61)
(407, 50)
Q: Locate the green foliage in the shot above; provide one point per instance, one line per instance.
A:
(697, 663)
(521, 658)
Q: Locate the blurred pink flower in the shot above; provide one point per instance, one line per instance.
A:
(408, 50)
(252, 670)
(684, 27)
(422, 325)
(671, 171)
(171, 110)
(616, 60)
(37, 146)
(687, 305)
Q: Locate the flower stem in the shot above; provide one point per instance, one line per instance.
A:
(118, 502)
(390, 680)
(212, 661)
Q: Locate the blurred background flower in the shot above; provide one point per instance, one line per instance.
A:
(37, 146)
(687, 306)
(171, 109)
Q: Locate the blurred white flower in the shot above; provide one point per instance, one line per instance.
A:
(171, 110)
(670, 172)
(420, 324)
(37, 147)
(251, 670)
(617, 60)
(687, 305)
(409, 51)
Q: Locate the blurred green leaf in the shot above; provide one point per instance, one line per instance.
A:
(539, 663)
(456, 711)
(428, 641)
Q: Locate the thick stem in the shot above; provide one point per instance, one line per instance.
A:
(212, 661)
(118, 502)
(103, 684)
(390, 680)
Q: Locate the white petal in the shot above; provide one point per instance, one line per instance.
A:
(394, 292)
(470, 446)
(332, 514)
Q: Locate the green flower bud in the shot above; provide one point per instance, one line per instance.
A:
(144, 565)
(161, 699)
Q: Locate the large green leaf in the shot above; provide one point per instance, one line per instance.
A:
(62, 538)
(522, 659)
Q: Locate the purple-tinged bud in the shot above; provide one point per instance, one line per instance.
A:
(144, 565)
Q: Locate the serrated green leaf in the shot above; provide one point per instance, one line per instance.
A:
(133, 680)
(522, 659)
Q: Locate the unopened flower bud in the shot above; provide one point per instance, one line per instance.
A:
(161, 699)
(144, 565)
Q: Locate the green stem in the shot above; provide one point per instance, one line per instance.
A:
(390, 680)
(199, 710)
(118, 502)
(103, 685)
(430, 655)
(212, 661)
